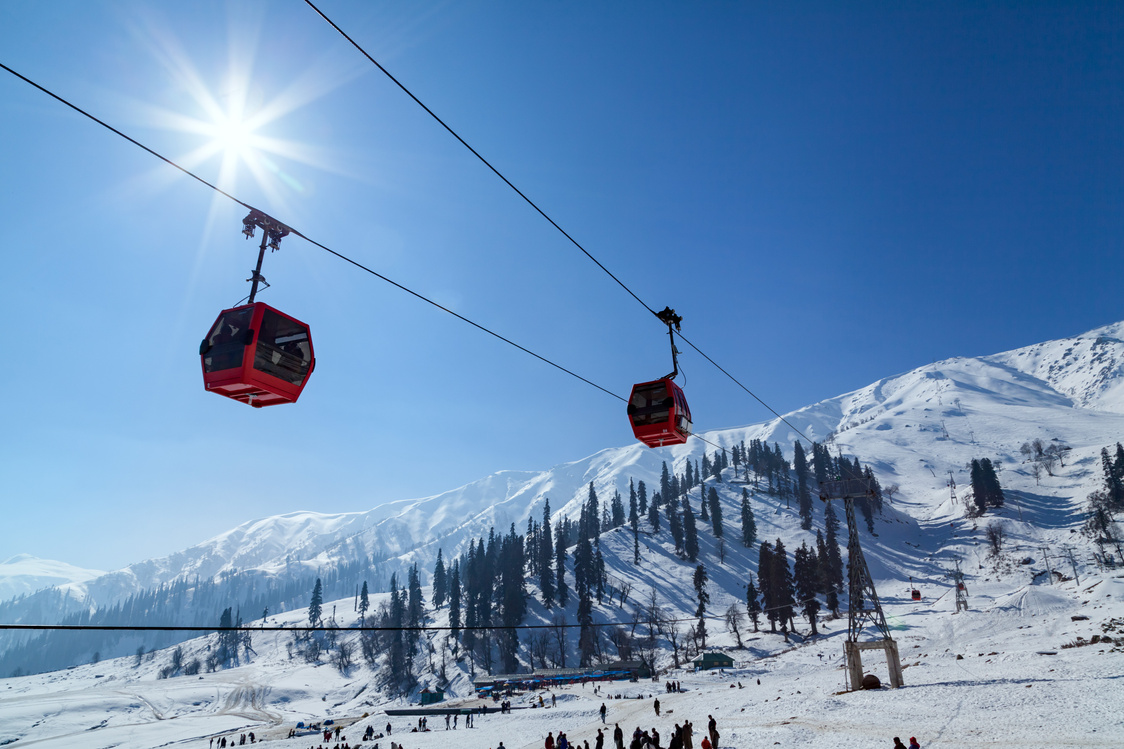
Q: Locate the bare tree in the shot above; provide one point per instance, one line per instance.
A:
(675, 637)
(735, 620)
(622, 642)
(559, 630)
(342, 655)
(996, 533)
(889, 491)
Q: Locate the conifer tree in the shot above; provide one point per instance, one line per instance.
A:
(700, 581)
(785, 590)
(803, 495)
(665, 484)
(752, 605)
(561, 592)
(440, 582)
(675, 524)
(642, 498)
(806, 577)
(617, 506)
(584, 569)
(826, 584)
(765, 574)
(690, 532)
(364, 601)
(749, 524)
(834, 570)
(634, 522)
(704, 506)
(315, 604)
(653, 511)
(715, 512)
(455, 600)
(546, 556)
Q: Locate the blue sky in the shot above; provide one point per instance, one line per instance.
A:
(828, 193)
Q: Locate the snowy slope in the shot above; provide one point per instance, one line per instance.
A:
(914, 429)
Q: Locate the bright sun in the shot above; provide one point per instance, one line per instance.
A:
(233, 136)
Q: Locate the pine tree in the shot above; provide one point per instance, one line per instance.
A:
(704, 508)
(665, 484)
(834, 569)
(752, 605)
(618, 510)
(546, 557)
(583, 587)
(315, 605)
(690, 532)
(642, 498)
(765, 574)
(634, 522)
(749, 524)
(364, 601)
(785, 590)
(700, 581)
(715, 512)
(803, 495)
(440, 582)
(675, 524)
(455, 600)
(653, 510)
(806, 577)
(561, 592)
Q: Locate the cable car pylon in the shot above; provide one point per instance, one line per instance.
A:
(254, 353)
(863, 606)
(658, 409)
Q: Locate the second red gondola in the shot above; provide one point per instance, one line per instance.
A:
(659, 414)
(257, 355)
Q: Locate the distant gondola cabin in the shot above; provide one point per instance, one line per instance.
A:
(257, 355)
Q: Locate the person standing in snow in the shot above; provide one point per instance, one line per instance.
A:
(618, 736)
(898, 743)
(600, 742)
(656, 705)
(688, 735)
(549, 740)
(603, 710)
(712, 729)
(913, 743)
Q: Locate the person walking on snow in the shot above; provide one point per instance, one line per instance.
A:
(712, 729)
(618, 736)
(549, 740)
(603, 710)
(656, 705)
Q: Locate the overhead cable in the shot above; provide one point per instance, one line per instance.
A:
(309, 239)
(532, 203)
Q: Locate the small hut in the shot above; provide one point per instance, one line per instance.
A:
(713, 660)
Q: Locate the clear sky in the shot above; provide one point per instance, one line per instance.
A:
(828, 193)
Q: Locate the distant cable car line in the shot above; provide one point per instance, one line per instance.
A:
(322, 628)
(309, 239)
(540, 211)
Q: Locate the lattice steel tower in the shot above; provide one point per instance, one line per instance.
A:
(864, 608)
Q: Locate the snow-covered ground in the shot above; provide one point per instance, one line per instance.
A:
(1015, 686)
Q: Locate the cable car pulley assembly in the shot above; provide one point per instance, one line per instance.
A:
(254, 353)
(658, 409)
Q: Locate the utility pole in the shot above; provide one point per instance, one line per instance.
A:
(1072, 563)
(1048, 570)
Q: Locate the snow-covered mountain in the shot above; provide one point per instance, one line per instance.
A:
(23, 574)
(916, 430)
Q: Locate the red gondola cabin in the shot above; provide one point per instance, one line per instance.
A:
(257, 355)
(659, 413)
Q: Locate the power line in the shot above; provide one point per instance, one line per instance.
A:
(531, 203)
(309, 239)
